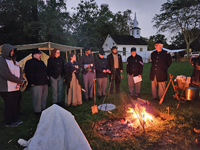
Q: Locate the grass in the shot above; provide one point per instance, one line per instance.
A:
(173, 134)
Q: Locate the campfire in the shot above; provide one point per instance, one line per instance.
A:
(136, 119)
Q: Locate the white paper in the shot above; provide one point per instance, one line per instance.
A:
(137, 79)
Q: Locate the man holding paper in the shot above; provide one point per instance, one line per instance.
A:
(134, 68)
(101, 73)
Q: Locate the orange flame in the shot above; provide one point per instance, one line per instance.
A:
(140, 112)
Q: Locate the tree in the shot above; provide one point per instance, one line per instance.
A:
(54, 21)
(18, 23)
(152, 39)
(91, 23)
(180, 16)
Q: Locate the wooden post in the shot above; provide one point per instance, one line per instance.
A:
(49, 46)
(81, 51)
(66, 57)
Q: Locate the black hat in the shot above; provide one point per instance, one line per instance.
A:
(159, 42)
(86, 48)
(101, 52)
(114, 47)
(36, 51)
(133, 49)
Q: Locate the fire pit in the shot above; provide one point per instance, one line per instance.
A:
(141, 117)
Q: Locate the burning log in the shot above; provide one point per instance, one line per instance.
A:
(137, 118)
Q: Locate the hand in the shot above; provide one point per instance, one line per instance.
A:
(140, 76)
(74, 70)
(104, 71)
(121, 70)
(88, 65)
(108, 71)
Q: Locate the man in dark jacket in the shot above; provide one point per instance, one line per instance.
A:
(86, 62)
(115, 66)
(161, 60)
(101, 73)
(36, 73)
(134, 68)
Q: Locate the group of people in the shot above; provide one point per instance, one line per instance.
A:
(39, 76)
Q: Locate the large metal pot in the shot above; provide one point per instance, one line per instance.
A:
(191, 93)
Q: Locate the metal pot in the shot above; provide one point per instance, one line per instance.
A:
(191, 93)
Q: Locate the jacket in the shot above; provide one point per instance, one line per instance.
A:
(134, 65)
(101, 64)
(7, 78)
(111, 62)
(160, 63)
(55, 67)
(84, 60)
(69, 69)
(36, 72)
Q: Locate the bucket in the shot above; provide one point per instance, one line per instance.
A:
(191, 93)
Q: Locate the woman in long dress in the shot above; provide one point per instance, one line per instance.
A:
(73, 94)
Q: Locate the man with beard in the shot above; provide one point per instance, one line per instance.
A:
(116, 67)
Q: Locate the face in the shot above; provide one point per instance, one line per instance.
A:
(57, 54)
(88, 52)
(158, 47)
(37, 56)
(12, 52)
(101, 56)
(133, 53)
(73, 58)
(114, 50)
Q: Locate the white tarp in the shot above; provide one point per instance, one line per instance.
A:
(61, 47)
(58, 130)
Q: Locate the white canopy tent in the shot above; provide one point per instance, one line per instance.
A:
(170, 51)
(49, 46)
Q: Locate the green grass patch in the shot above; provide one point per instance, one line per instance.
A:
(171, 134)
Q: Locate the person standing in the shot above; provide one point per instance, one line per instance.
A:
(195, 78)
(161, 60)
(102, 71)
(73, 94)
(115, 66)
(87, 64)
(55, 72)
(10, 81)
(36, 74)
(134, 67)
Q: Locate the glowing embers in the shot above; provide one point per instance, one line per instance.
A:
(136, 119)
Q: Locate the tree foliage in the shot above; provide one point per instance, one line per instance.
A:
(54, 21)
(180, 16)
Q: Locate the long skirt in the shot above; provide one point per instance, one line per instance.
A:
(74, 96)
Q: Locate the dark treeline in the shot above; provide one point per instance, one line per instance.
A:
(33, 21)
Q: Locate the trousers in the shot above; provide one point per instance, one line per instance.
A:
(57, 89)
(39, 96)
(12, 106)
(161, 88)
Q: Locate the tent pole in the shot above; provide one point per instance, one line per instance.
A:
(49, 46)
(66, 57)
(81, 52)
